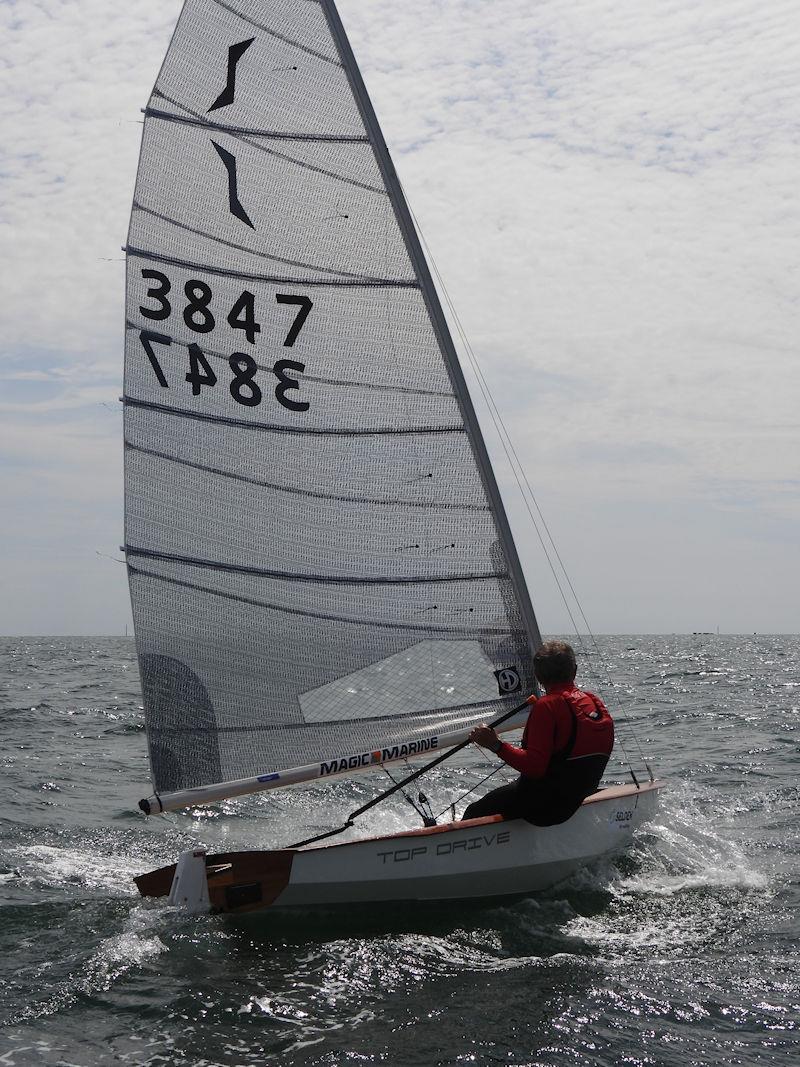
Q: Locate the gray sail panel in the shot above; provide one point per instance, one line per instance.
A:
(316, 565)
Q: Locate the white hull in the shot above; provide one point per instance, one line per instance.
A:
(481, 858)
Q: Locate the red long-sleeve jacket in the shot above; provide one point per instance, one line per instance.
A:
(549, 728)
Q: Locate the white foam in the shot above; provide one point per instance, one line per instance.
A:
(49, 865)
(682, 852)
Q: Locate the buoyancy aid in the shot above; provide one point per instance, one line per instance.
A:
(574, 771)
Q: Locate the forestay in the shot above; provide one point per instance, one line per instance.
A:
(319, 562)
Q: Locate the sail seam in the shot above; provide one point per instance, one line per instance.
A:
(484, 631)
(278, 36)
(355, 283)
(243, 248)
(282, 155)
(242, 131)
(202, 416)
(294, 491)
(313, 579)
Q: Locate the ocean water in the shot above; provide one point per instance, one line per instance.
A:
(681, 951)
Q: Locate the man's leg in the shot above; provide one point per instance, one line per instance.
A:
(505, 801)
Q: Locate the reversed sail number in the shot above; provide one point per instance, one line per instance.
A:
(243, 386)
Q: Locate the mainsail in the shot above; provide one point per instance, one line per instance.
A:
(318, 557)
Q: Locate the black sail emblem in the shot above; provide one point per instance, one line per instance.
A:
(508, 680)
(226, 97)
(234, 202)
(235, 53)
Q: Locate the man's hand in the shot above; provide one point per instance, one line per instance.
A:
(485, 736)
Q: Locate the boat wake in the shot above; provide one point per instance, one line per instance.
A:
(683, 884)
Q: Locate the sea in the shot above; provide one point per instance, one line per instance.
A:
(682, 950)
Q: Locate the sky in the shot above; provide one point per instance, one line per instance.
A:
(610, 192)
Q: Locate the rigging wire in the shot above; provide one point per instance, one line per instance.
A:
(520, 476)
(452, 807)
(427, 817)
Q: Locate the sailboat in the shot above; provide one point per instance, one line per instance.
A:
(322, 574)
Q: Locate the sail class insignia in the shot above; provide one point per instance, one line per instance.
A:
(235, 53)
(233, 193)
(508, 680)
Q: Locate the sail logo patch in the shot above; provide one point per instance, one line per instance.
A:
(380, 755)
(508, 680)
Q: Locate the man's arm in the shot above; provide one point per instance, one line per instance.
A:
(533, 760)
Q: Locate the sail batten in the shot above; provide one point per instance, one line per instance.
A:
(324, 431)
(316, 579)
(369, 501)
(238, 131)
(354, 282)
(318, 555)
(278, 36)
(420, 628)
(293, 161)
(314, 267)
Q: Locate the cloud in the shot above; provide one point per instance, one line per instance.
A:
(609, 191)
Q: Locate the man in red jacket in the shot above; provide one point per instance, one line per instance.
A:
(565, 747)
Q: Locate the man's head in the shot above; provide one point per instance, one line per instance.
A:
(554, 662)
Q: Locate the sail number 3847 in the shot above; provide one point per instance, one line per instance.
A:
(199, 317)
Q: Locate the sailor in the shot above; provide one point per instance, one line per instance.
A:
(565, 747)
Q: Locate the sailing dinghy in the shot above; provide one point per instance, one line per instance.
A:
(322, 575)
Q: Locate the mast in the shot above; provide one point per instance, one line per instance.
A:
(438, 320)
